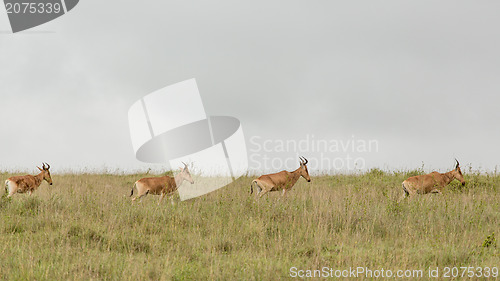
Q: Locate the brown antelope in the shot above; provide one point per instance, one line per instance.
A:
(431, 183)
(283, 180)
(161, 185)
(28, 183)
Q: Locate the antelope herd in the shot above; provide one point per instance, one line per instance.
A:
(284, 180)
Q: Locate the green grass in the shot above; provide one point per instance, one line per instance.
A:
(85, 227)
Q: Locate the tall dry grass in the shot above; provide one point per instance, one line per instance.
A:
(85, 227)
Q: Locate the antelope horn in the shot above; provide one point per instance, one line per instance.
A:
(48, 166)
(43, 166)
(458, 164)
(185, 165)
(304, 160)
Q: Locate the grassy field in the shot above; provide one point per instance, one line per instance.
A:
(85, 227)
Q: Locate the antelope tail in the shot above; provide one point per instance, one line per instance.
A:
(132, 191)
(254, 182)
(6, 188)
(405, 190)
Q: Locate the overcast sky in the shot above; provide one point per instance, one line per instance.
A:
(419, 77)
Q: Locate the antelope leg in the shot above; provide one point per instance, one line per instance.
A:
(161, 198)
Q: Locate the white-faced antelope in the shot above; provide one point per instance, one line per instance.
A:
(165, 185)
(283, 180)
(28, 183)
(431, 183)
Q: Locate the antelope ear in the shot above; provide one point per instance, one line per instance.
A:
(39, 168)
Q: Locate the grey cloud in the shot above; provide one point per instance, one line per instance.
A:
(420, 77)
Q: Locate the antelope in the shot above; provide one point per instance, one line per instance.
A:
(431, 183)
(28, 183)
(283, 180)
(161, 185)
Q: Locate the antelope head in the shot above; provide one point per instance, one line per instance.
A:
(457, 173)
(303, 169)
(45, 172)
(185, 175)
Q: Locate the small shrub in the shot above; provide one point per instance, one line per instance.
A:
(375, 172)
(224, 247)
(490, 241)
